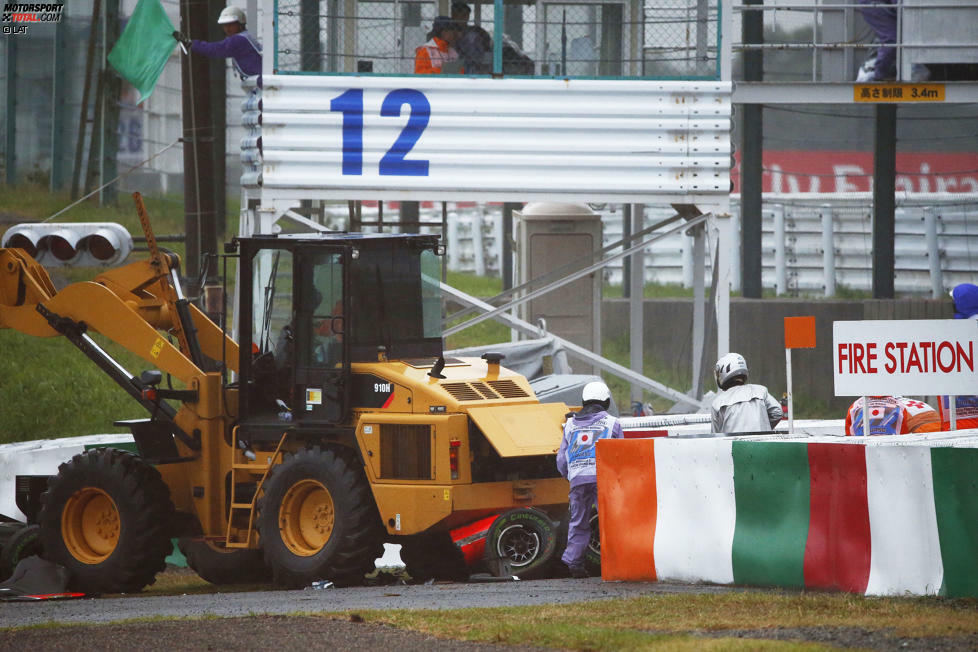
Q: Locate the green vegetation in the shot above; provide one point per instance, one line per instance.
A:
(686, 621)
(652, 291)
(48, 388)
(670, 621)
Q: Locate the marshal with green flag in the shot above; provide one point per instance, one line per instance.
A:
(144, 46)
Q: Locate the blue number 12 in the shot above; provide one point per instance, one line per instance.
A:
(394, 162)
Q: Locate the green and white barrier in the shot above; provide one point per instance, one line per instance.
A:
(878, 516)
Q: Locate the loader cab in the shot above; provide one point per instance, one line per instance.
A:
(312, 305)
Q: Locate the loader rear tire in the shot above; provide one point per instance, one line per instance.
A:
(106, 517)
(317, 520)
(219, 565)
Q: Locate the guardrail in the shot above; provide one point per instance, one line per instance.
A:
(817, 244)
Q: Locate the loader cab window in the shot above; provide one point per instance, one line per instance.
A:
(431, 294)
(322, 313)
(273, 332)
(395, 302)
(272, 324)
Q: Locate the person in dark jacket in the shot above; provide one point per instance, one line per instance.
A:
(576, 462)
(240, 45)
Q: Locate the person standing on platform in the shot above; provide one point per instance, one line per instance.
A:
(437, 54)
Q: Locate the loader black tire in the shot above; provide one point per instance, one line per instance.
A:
(24, 542)
(107, 518)
(433, 556)
(521, 542)
(318, 520)
(219, 565)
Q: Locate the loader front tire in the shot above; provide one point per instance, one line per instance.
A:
(317, 520)
(106, 517)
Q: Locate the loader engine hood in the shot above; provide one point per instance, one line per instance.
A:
(521, 430)
(498, 401)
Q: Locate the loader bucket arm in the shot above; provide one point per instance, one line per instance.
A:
(101, 311)
(138, 286)
(120, 304)
(23, 284)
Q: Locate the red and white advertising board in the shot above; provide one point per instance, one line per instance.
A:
(917, 357)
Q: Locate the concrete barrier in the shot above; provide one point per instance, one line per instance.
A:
(42, 457)
(871, 515)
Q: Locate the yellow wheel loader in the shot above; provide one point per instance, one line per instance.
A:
(332, 424)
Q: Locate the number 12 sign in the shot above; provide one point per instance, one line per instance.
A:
(395, 161)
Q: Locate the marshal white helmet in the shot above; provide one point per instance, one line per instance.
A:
(232, 15)
(730, 366)
(595, 391)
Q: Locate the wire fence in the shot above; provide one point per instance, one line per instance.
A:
(670, 38)
(44, 127)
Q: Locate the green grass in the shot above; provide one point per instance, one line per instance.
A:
(616, 349)
(48, 388)
(668, 621)
(478, 286)
(486, 332)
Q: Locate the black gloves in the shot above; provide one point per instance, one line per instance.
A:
(182, 38)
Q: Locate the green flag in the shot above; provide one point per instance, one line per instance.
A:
(144, 46)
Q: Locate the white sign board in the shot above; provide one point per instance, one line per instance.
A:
(448, 138)
(918, 357)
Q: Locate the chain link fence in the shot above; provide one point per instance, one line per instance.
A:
(667, 39)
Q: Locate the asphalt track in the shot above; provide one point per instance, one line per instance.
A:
(312, 601)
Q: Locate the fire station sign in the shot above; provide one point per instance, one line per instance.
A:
(920, 357)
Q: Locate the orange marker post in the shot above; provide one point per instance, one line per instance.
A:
(799, 333)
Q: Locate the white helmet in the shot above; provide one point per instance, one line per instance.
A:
(232, 15)
(730, 366)
(596, 391)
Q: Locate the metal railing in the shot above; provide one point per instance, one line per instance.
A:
(579, 39)
(835, 29)
(813, 245)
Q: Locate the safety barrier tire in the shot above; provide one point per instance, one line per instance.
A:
(107, 517)
(318, 520)
(521, 542)
(23, 543)
(219, 565)
(433, 556)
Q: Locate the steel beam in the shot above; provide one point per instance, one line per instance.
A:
(574, 350)
(570, 278)
(884, 201)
